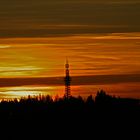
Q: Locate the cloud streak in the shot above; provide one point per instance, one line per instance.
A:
(4, 46)
(89, 54)
(76, 80)
(67, 18)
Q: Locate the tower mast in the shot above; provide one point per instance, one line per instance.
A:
(67, 80)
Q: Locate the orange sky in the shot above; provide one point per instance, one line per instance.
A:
(88, 55)
(115, 55)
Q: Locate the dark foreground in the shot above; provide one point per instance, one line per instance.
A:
(43, 117)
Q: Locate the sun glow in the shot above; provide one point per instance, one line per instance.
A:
(8, 93)
(4, 46)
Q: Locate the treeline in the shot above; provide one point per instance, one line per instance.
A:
(45, 107)
(45, 117)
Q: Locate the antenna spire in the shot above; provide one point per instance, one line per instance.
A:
(67, 80)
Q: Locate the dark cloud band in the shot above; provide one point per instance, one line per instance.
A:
(33, 18)
(77, 80)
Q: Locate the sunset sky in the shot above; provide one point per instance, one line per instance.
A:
(101, 39)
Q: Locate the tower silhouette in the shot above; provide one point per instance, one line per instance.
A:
(67, 81)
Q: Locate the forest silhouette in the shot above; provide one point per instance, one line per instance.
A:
(43, 115)
(44, 107)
